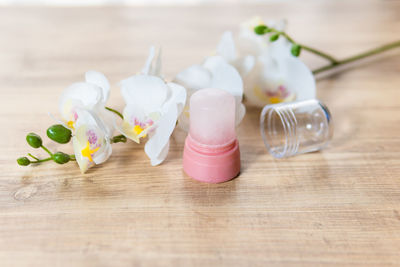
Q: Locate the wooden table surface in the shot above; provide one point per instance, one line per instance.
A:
(337, 207)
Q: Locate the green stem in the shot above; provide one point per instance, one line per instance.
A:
(358, 56)
(335, 62)
(42, 160)
(32, 156)
(115, 111)
(47, 150)
(72, 157)
(308, 48)
(321, 54)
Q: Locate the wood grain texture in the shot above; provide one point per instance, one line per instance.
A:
(337, 207)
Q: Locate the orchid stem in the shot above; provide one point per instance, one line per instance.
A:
(333, 61)
(47, 150)
(358, 56)
(32, 156)
(115, 111)
(42, 160)
(308, 48)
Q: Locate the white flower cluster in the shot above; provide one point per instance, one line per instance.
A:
(264, 72)
(152, 110)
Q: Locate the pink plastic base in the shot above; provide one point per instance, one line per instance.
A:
(211, 165)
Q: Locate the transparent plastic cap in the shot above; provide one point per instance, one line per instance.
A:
(212, 117)
(297, 127)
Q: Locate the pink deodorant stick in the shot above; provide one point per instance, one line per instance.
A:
(211, 151)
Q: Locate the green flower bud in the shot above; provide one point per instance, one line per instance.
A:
(261, 29)
(61, 157)
(23, 161)
(296, 49)
(34, 140)
(274, 37)
(59, 134)
(118, 139)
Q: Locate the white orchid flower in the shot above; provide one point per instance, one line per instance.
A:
(91, 95)
(271, 74)
(215, 72)
(152, 109)
(153, 63)
(91, 141)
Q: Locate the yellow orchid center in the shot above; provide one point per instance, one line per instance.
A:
(71, 124)
(281, 94)
(87, 152)
(275, 100)
(137, 129)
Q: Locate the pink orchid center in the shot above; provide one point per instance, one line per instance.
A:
(278, 95)
(74, 118)
(92, 145)
(140, 125)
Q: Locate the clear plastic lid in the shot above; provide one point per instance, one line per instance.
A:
(297, 127)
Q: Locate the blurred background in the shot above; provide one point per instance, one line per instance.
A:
(123, 2)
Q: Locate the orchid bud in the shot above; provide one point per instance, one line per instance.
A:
(296, 49)
(261, 29)
(23, 161)
(118, 139)
(274, 37)
(59, 134)
(34, 140)
(61, 157)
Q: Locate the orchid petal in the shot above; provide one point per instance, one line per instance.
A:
(79, 95)
(125, 130)
(162, 156)
(156, 68)
(226, 47)
(273, 71)
(184, 119)
(194, 78)
(82, 161)
(149, 60)
(91, 133)
(280, 48)
(280, 66)
(153, 63)
(79, 142)
(253, 82)
(240, 113)
(145, 91)
(301, 81)
(244, 65)
(98, 78)
(225, 76)
(155, 146)
(89, 118)
(133, 114)
(103, 154)
(59, 121)
(249, 43)
(177, 97)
